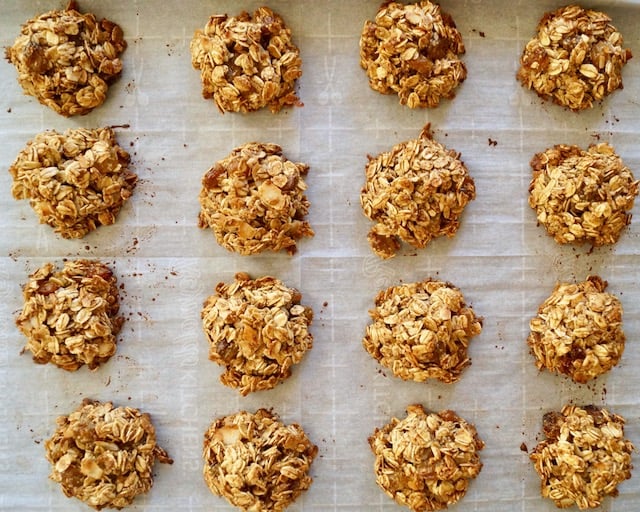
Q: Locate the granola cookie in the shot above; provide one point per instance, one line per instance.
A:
(578, 330)
(414, 193)
(254, 200)
(575, 59)
(413, 51)
(582, 196)
(426, 460)
(70, 316)
(75, 181)
(256, 462)
(67, 60)
(247, 63)
(104, 455)
(257, 329)
(584, 457)
(422, 331)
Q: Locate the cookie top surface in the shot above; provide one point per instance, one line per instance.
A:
(104, 455)
(584, 457)
(414, 51)
(256, 462)
(426, 460)
(422, 331)
(70, 316)
(413, 193)
(254, 200)
(578, 330)
(67, 60)
(257, 329)
(247, 62)
(575, 59)
(582, 196)
(75, 181)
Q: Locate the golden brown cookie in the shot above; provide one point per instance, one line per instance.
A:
(584, 457)
(413, 51)
(422, 331)
(578, 330)
(104, 455)
(75, 181)
(575, 59)
(70, 316)
(257, 329)
(582, 196)
(414, 193)
(256, 462)
(67, 60)
(247, 62)
(254, 200)
(426, 460)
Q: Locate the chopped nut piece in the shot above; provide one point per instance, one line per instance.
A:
(247, 63)
(582, 196)
(575, 59)
(427, 460)
(74, 181)
(584, 457)
(413, 50)
(67, 60)
(256, 462)
(422, 330)
(104, 455)
(415, 192)
(578, 330)
(258, 330)
(70, 316)
(254, 200)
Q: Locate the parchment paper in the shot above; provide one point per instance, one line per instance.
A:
(504, 264)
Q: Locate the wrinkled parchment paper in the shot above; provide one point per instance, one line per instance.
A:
(504, 264)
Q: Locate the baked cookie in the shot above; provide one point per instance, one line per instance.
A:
(414, 193)
(67, 60)
(422, 331)
(254, 200)
(578, 330)
(575, 59)
(70, 316)
(582, 196)
(413, 51)
(75, 181)
(247, 62)
(256, 462)
(584, 457)
(426, 460)
(257, 329)
(104, 455)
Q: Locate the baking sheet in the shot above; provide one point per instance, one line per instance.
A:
(504, 264)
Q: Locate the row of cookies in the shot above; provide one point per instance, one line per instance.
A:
(67, 59)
